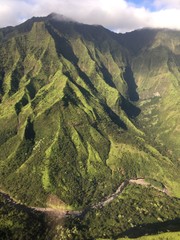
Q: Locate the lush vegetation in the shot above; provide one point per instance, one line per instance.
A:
(131, 216)
(18, 222)
(81, 110)
(162, 236)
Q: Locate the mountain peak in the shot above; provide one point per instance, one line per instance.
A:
(82, 111)
(59, 17)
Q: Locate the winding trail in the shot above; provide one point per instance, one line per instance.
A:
(138, 181)
(59, 214)
(111, 197)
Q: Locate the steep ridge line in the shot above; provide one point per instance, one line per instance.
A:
(54, 212)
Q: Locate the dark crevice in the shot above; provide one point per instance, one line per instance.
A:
(83, 90)
(64, 49)
(14, 82)
(114, 117)
(86, 80)
(131, 110)
(62, 46)
(2, 75)
(17, 74)
(19, 105)
(29, 131)
(95, 126)
(69, 97)
(129, 78)
(26, 146)
(107, 76)
(31, 90)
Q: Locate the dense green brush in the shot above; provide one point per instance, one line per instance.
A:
(82, 109)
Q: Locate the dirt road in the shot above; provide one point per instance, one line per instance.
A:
(58, 213)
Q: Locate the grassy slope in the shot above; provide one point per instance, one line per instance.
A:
(155, 65)
(65, 114)
(167, 236)
(157, 75)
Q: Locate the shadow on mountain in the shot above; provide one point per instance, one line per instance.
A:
(131, 110)
(152, 229)
(95, 33)
(2, 75)
(107, 76)
(83, 90)
(114, 117)
(86, 79)
(16, 75)
(64, 49)
(29, 131)
(129, 78)
(19, 105)
(31, 89)
(138, 39)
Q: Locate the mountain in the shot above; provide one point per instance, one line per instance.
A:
(156, 70)
(84, 110)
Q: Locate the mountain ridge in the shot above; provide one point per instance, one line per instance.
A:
(83, 108)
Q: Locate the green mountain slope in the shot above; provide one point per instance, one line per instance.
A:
(82, 109)
(155, 65)
(156, 70)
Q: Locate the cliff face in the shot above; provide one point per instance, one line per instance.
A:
(83, 108)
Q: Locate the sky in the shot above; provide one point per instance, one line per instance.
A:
(116, 15)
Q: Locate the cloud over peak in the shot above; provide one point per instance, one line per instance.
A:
(117, 15)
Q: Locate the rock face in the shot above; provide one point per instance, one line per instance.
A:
(82, 109)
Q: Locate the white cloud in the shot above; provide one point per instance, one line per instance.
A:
(167, 3)
(168, 18)
(118, 15)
